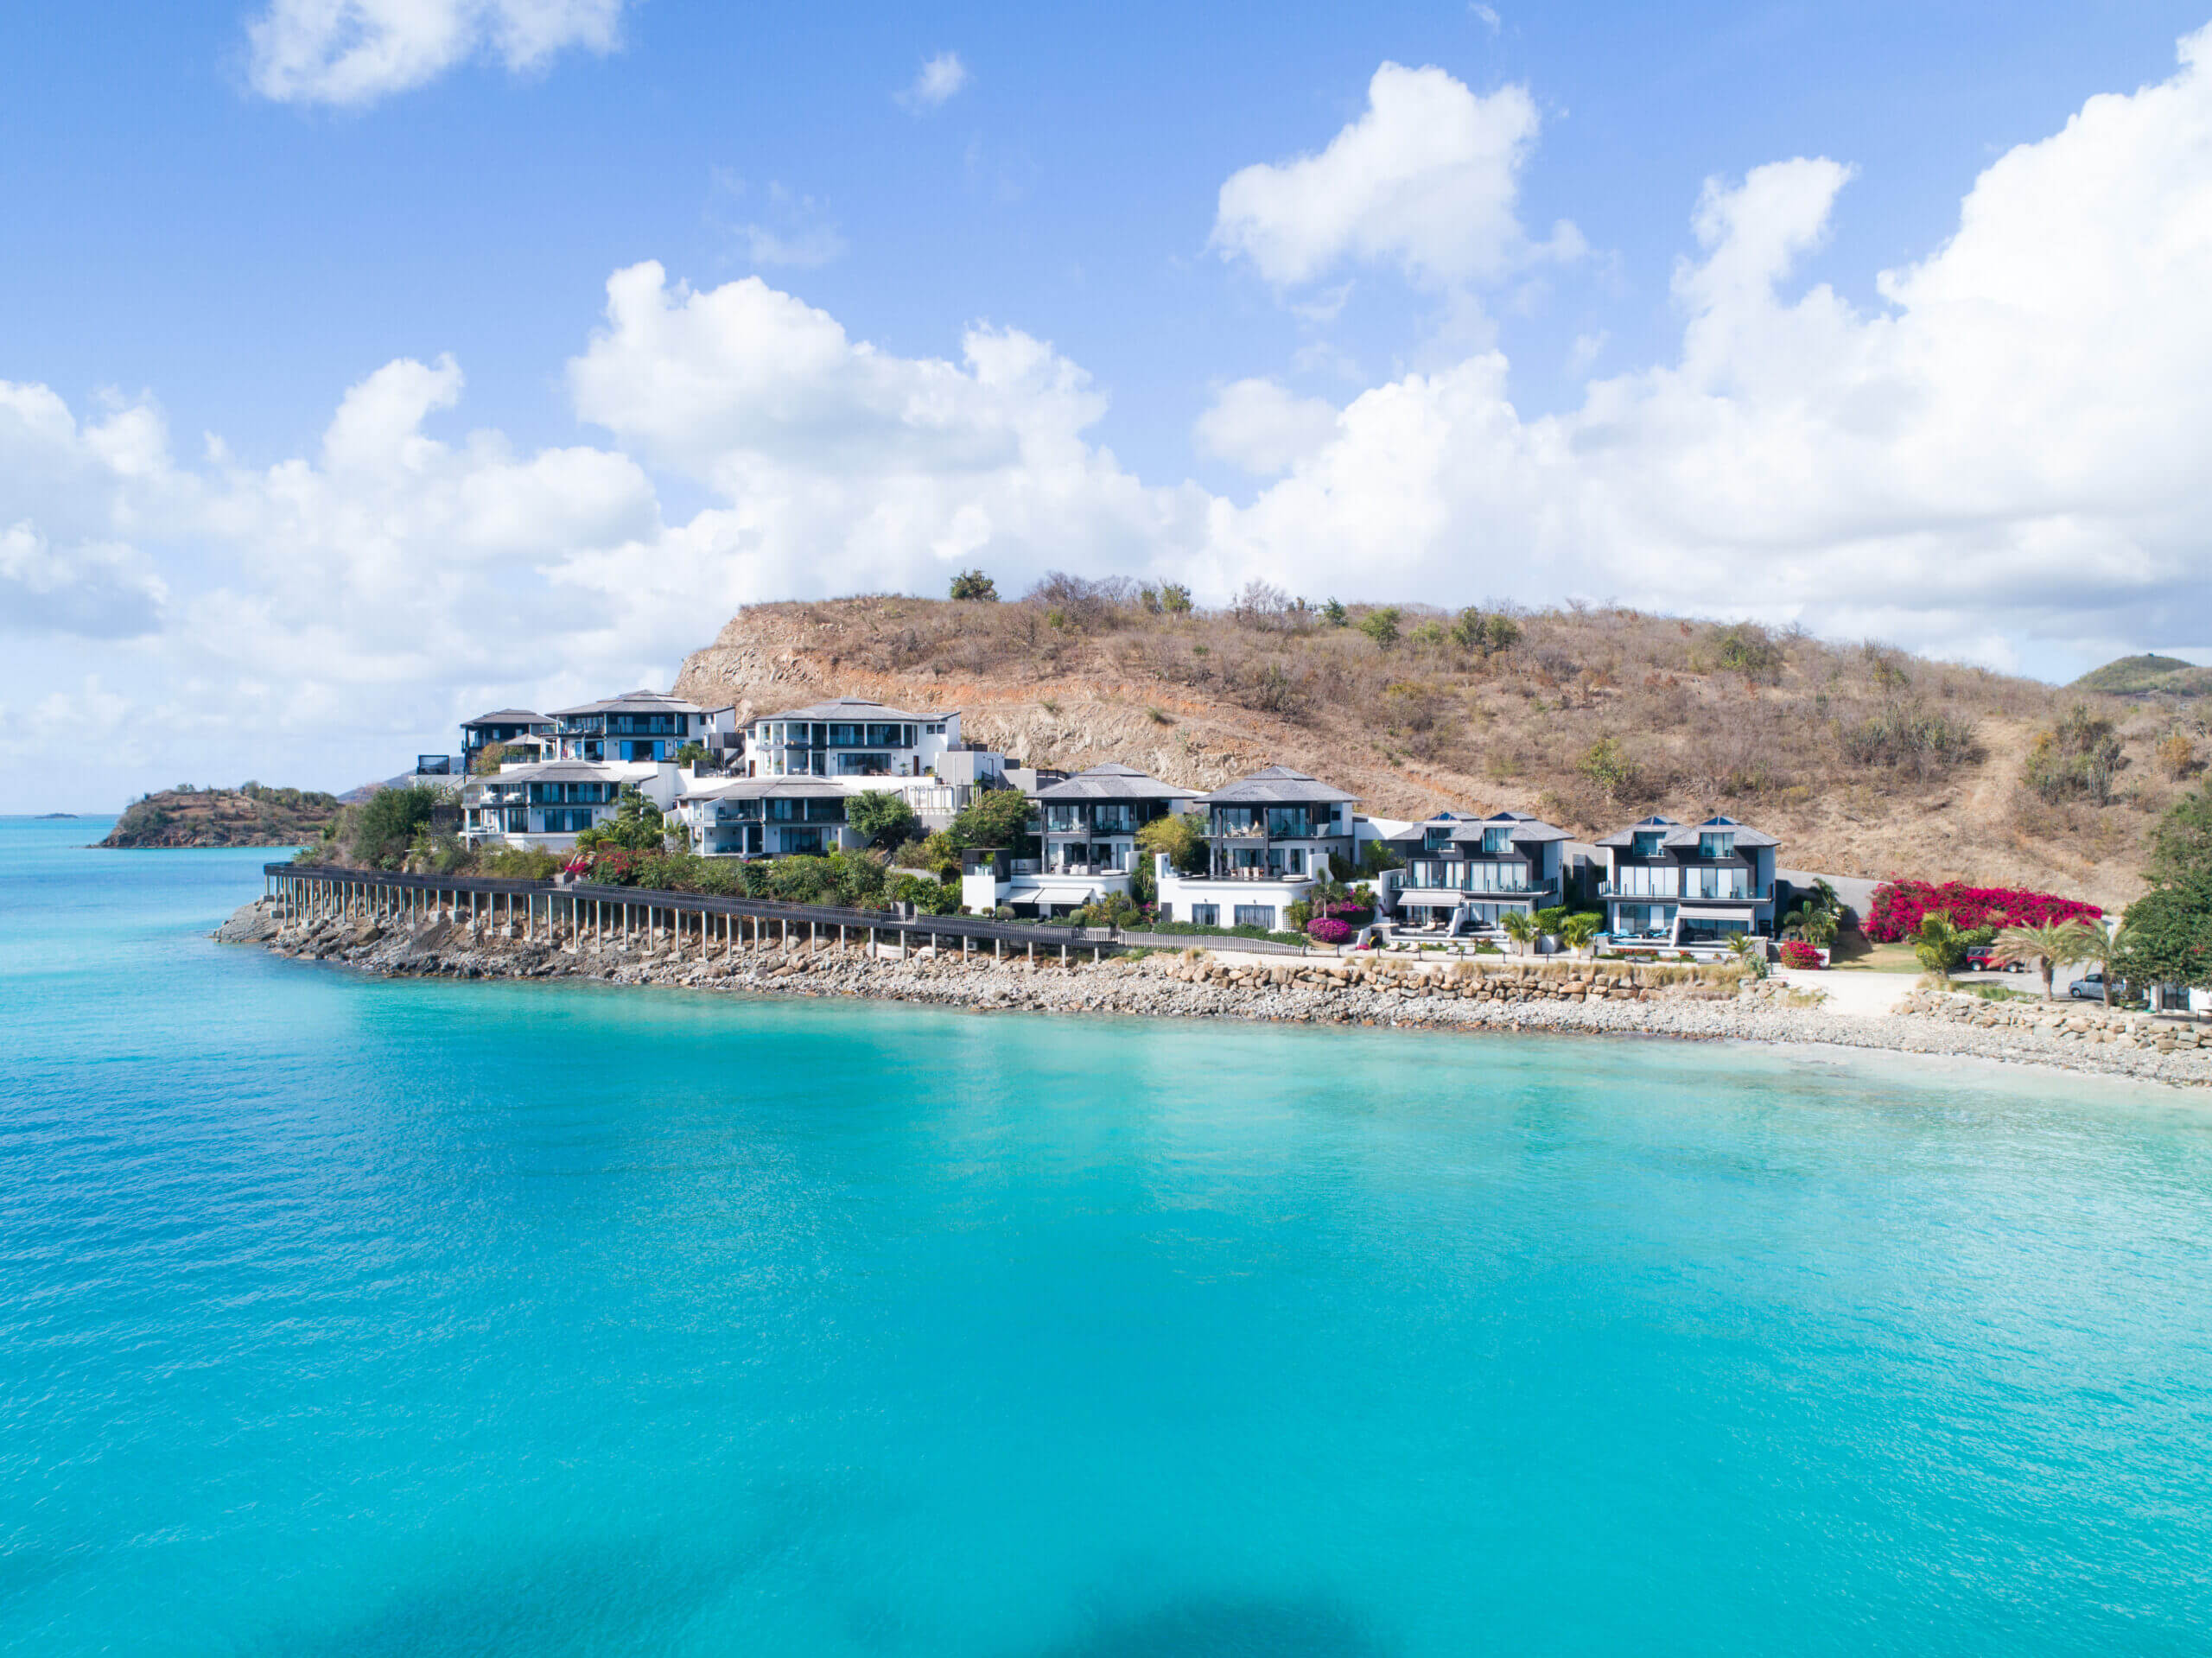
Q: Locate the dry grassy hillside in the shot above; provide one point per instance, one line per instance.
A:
(1864, 760)
(249, 816)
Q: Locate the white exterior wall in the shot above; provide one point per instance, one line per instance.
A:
(1178, 893)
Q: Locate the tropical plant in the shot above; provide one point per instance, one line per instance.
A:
(1941, 943)
(1898, 906)
(2111, 952)
(384, 825)
(2050, 947)
(637, 824)
(1812, 923)
(692, 755)
(1521, 927)
(1375, 858)
(1797, 953)
(1327, 929)
(1180, 837)
(880, 816)
(996, 817)
(1750, 952)
(1578, 929)
(2167, 938)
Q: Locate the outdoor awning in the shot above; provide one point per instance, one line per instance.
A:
(1062, 894)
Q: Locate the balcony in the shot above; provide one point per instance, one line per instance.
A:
(1749, 895)
(1280, 878)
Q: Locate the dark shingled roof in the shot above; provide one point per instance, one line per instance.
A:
(1675, 836)
(1278, 786)
(509, 717)
(765, 788)
(633, 702)
(1112, 781)
(851, 708)
(1528, 829)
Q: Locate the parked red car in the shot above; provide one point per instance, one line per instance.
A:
(1980, 958)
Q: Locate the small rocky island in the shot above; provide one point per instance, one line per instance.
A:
(250, 814)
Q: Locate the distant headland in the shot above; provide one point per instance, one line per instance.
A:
(250, 814)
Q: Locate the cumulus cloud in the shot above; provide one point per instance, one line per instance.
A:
(353, 52)
(935, 83)
(1264, 427)
(95, 590)
(1427, 179)
(2004, 457)
(2011, 450)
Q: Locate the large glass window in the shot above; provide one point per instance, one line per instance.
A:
(1647, 843)
(1257, 915)
(1495, 839)
(1715, 844)
(1205, 915)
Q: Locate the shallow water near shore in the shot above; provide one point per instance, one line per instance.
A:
(341, 1315)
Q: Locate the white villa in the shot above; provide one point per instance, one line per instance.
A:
(765, 817)
(637, 725)
(547, 803)
(1462, 875)
(1087, 826)
(851, 737)
(1267, 836)
(1676, 886)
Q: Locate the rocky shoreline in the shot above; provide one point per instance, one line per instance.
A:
(1565, 997)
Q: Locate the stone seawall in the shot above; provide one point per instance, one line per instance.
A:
(1569, 998)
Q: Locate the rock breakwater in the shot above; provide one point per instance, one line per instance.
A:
(1703, 1004)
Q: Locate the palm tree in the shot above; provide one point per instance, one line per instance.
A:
(2053, 945)
(1518, 925)
(1815, 925)
(2098, 949)
(1577, 930)
(1942, 943)
(1749, 951)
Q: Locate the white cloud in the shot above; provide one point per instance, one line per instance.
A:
(935, 83)
(1264, 427)
(99, 590)
(1427, 179)
(1487, 15)
(2005, 460)
(354, 52)
(2012, 451)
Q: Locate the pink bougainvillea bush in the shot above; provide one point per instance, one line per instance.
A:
(1796, 952)
(1899, 905)
(1327, 929)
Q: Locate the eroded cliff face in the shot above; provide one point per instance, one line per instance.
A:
(1415, 728)
(1089, 709)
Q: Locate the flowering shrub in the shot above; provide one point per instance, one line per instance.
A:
(1327, 929)
(1796, 952)
(1899, 905)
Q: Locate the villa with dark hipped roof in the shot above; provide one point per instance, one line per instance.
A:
(638, 725)
(1461, 875)
(1087, 828)
(1673, 884)
(1268, 836)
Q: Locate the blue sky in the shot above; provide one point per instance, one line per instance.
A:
(199, 245)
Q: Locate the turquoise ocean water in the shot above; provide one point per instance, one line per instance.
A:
(343, 1316)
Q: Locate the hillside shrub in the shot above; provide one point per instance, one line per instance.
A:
(1327, 929)
(2078, 758)
(1900, 905)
